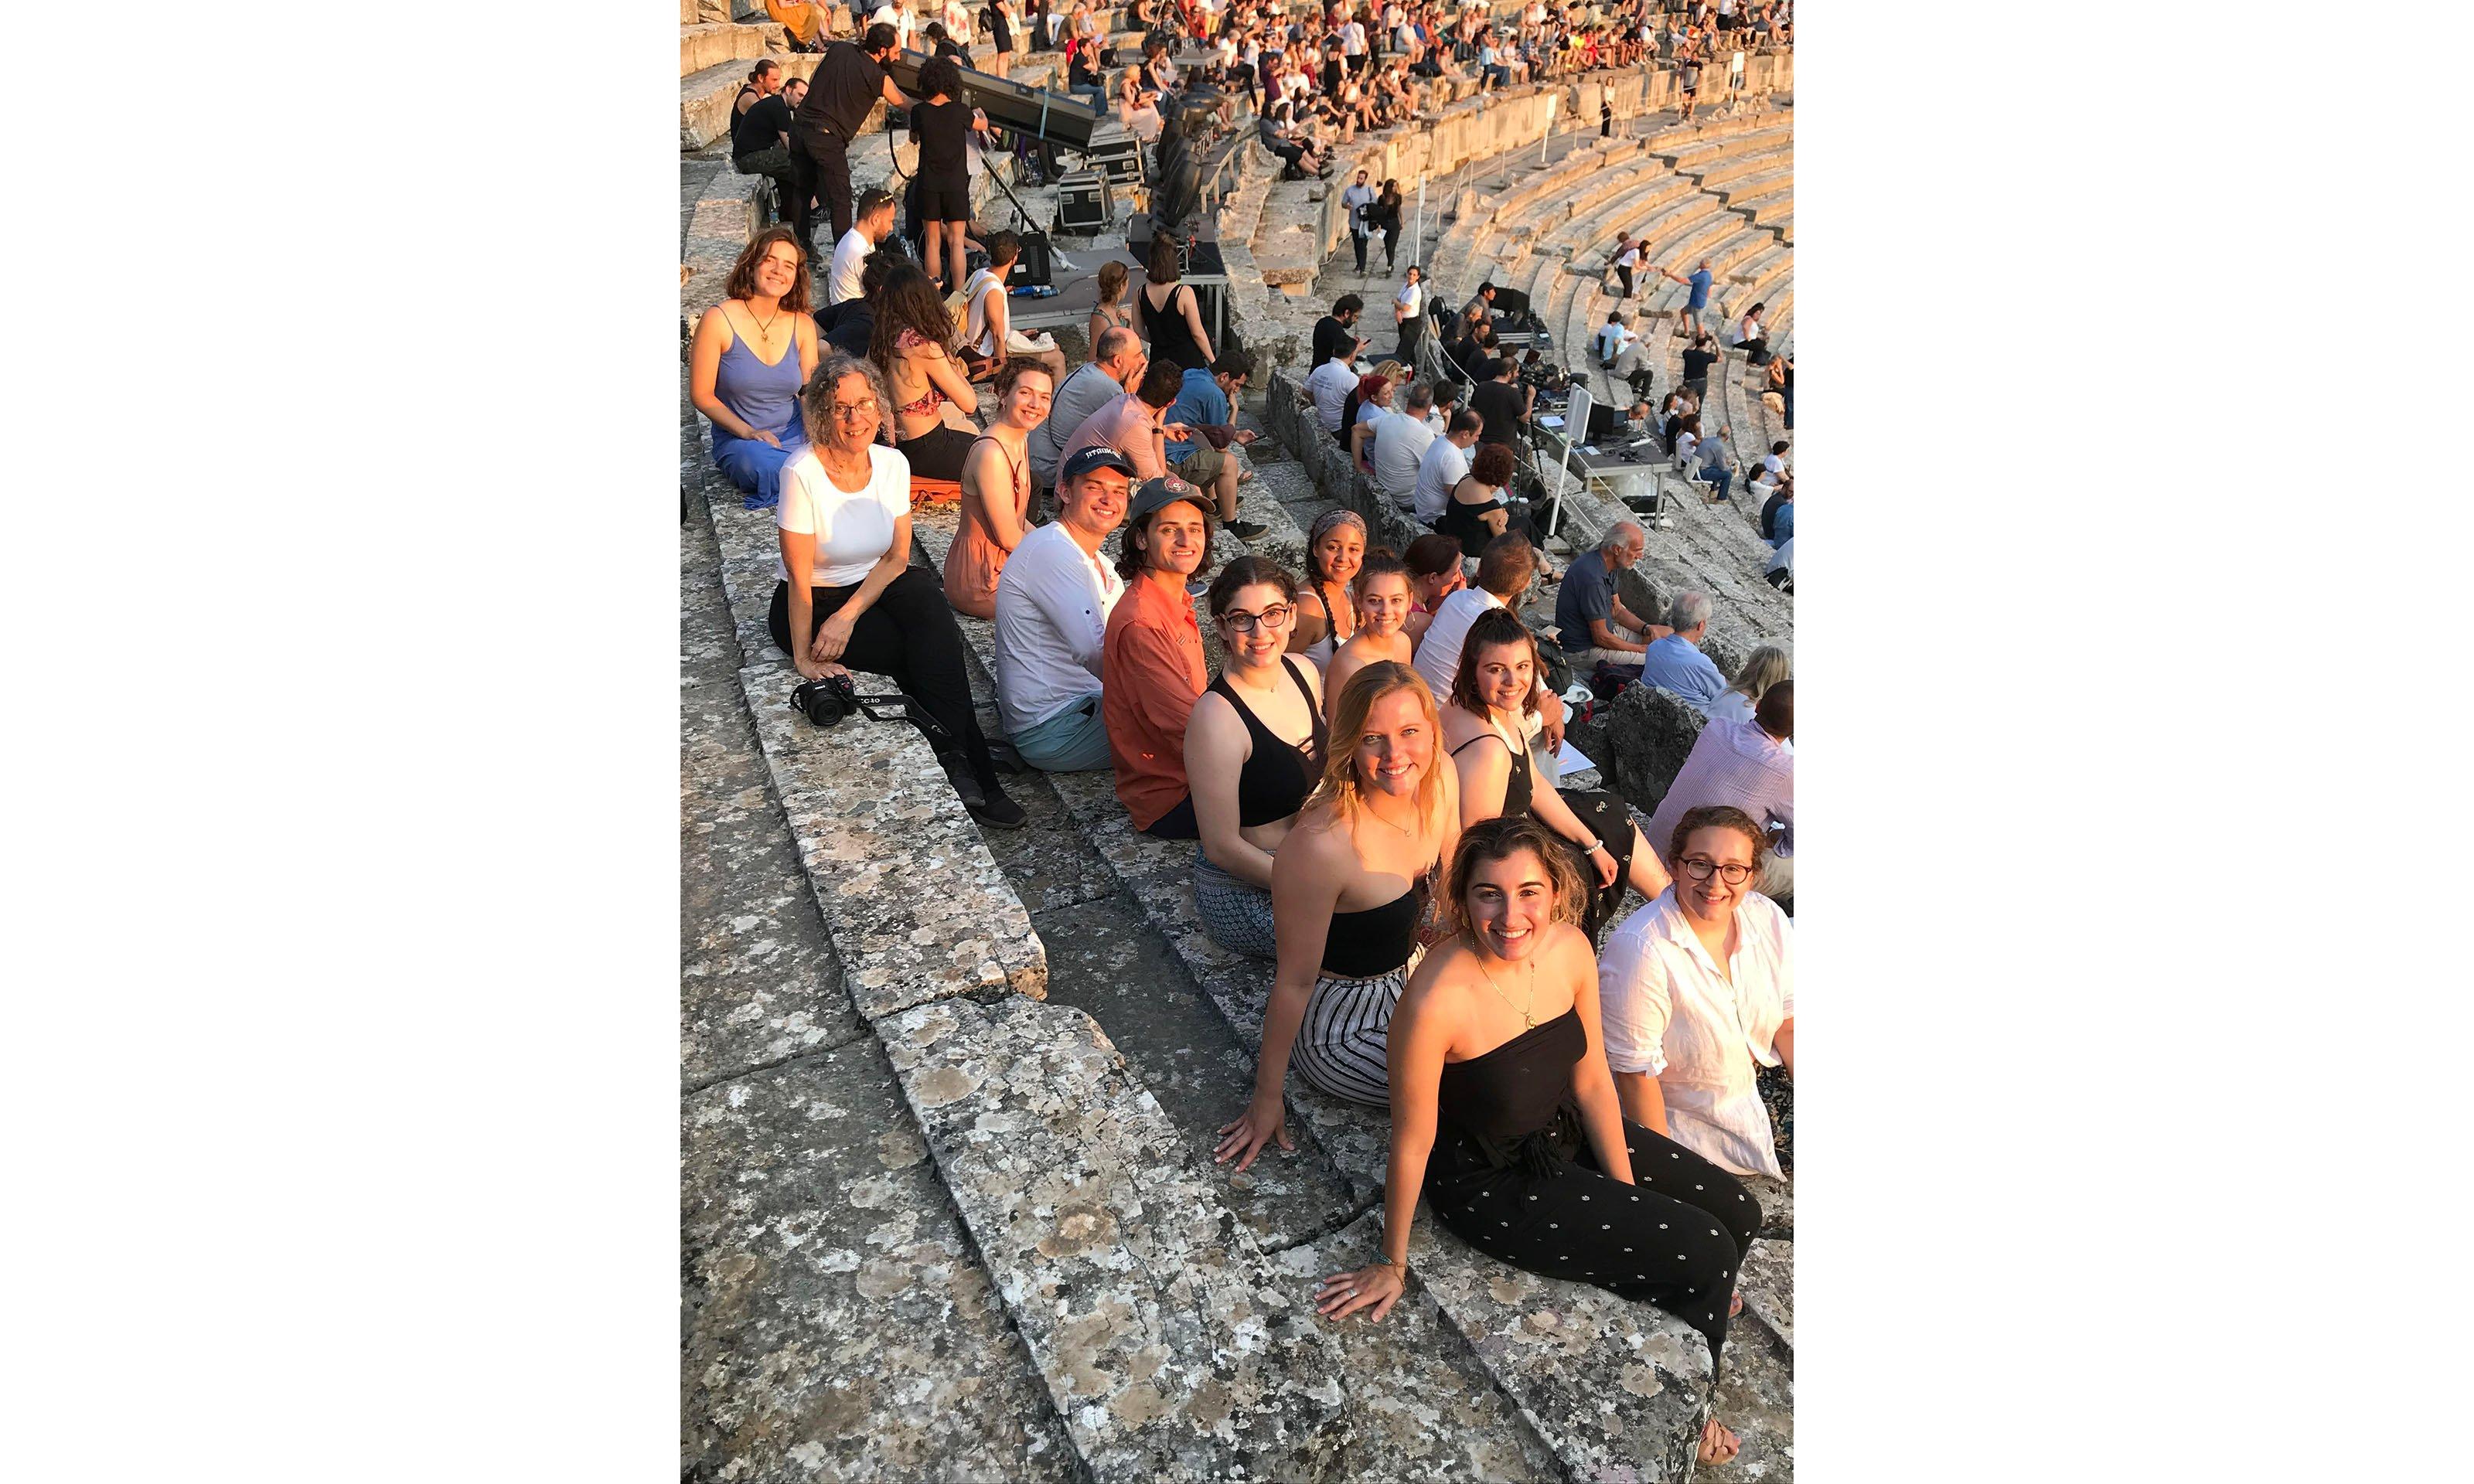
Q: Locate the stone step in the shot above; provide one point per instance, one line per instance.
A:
(1171, 1346)
(710, 45)
(1723, 175)
(836, 1317)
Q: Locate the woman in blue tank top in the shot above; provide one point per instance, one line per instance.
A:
(753, 351)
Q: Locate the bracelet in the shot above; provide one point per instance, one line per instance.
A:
(1382, 1260)
(1594, 848)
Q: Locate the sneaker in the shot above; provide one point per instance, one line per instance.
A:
(1246, 530)
(996, 809)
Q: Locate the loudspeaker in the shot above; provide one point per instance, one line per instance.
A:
(1085, 206)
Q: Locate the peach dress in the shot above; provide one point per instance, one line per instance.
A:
(973, 564)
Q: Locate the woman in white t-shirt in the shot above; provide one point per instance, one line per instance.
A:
(1764, 667)
(1409, 315)
(845, 584)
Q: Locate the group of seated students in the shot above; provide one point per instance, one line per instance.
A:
(1378, 732)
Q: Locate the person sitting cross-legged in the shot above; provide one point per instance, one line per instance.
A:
(1053, 603)
(1150, 666)
(752, 353)
(846, 592)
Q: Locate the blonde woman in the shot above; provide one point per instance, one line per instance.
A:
(1763, 668)
(1348, 901)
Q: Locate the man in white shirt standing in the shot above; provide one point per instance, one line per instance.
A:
(870, 225)
(1442, 466)
(1401, 436)
(1328, 389)
(1052, 603)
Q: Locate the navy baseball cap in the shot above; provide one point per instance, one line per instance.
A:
(1159, 493)
(1096, 456)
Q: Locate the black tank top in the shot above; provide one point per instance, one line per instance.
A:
(1279, 774)
(1362, 944)
(1515, 1103)
(1515, 788)
(1172, 338)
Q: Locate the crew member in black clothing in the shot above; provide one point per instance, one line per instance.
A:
(760, 136)
(1336, 330)
(942, 127)
(846, 85)
(1502, 401)
(1698, 358)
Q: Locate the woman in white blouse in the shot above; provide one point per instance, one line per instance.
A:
(845, 584)
(1699, 991)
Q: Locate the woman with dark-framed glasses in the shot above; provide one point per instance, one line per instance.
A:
(1699, 991)
(1253, 750)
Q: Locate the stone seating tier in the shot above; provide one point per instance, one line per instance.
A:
(1555, 1372)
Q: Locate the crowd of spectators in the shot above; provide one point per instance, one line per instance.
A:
(1369, 781)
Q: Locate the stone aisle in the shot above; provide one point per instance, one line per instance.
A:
(835, 1322)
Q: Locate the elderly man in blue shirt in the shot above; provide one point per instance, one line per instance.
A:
(1676, 663)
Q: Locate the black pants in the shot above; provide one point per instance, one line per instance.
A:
(1674, 1237)
(909, 636)
(937, 453)
(820, 166)
(1410, 330)
(1624, 275)
(1604, 815)
(1177, 824)
(1358, 240)
(1757, 352)
(774, 162)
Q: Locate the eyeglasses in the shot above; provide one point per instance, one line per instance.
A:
(846, 411)
(1699, 868)
(1276, 617)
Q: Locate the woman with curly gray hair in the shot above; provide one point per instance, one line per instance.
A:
(846, 591)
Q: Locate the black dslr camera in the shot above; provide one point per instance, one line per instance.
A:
(826, 702)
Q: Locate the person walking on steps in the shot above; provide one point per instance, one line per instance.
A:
(1354, 201)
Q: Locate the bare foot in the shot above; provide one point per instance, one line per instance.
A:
(1718, 1445)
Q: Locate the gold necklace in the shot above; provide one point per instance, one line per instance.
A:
(764, 328)
(1527, 1021)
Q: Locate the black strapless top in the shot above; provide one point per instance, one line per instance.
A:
(1362, 945)
(1513, 1105)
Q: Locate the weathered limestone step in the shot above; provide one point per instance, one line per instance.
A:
(711, 45)
(759, 981)
(1171, 1347)
(917, 909)
(1756, 1396)
(1108, 960)
(1768, 1283)
(837, 1324)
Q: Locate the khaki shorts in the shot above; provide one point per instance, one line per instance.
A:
(1203, 465)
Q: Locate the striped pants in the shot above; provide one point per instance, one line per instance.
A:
(1342, 1049)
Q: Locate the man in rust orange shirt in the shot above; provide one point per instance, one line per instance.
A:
(1151, 659)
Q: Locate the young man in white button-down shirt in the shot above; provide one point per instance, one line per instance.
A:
(1052, 603)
